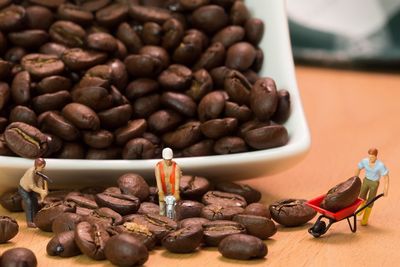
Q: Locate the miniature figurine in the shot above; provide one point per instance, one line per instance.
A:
(168, 176)
(374, 170)
(32, 182)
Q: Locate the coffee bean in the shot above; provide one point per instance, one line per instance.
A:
(46, 216)
(239, 13)
(210, 18)
(202, 148)
(213, 57)
(93, 5)
(257, 226)
(291, 212)
(173, 33)
(8, 228)
(192, 222)
(216, 231)
(29, 38)
(81, 200)
(257, 209)
(108, 153)
(41, 65)
(229, 145)
(23, 114)
(224, 199)
(133, 129)
(115, 117)
(254, 30)
(241, 113)
(75, 14)
(217, 212)
(180, 103)
(176, 77)
(264, 98)
(11, 201)
(250, 194)
(129, 37)
(21, 88)
(193, 187)
(342, 195)
(102, 41)
(282, 111)
(152, 33)
(55, 49)
(126, 250)
(240, 56)
(141, 232)
(4, 94)
(52, 101)
(95, 97)
(54, 123)
(242, 247)
(48, 3)
(12, 17)
(104, 216)
(164, 120)
(211, 106)
(229, 35)
(201, 85)
(53, 84)
(98, 139)
(134, 184)
(184, 240)
(78, 59)
(72, 151)
(184, 136)
(63, 245)
(218, 128)
(148, 208)
(65, 222)
(25, 140)
(123, 204)
(188, 208)
(81, 116)
(267, 137)
(146, 14)
(91, 239)
(18, 257)
(238, 87)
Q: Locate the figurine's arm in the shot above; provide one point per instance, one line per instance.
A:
(159, 186)
(178, 174)
(386, 185)
(357, 173)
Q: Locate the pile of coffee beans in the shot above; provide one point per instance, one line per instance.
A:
(106, 79)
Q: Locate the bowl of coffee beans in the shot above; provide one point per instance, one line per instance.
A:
(99, 88)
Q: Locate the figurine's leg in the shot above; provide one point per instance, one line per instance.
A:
(29, 206)
(363, 194)
(162, 207)
(373, 189)
(365, 218)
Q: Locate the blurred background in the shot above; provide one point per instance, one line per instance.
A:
(349, 34)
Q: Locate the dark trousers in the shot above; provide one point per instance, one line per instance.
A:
(31, 203)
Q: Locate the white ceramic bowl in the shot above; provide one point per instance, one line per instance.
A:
(278, 65)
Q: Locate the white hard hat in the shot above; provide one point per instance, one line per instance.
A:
(167, 153)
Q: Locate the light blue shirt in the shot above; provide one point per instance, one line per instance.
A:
(375, 173)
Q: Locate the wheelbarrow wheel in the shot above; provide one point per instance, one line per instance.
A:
(318, 229)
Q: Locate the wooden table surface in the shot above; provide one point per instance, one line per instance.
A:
(347, 112)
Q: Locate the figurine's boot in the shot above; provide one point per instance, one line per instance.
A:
(364, 220)
(361, 206)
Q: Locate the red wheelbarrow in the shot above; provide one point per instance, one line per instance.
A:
(320, 227)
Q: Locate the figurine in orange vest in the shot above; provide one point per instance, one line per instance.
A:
(168, 176)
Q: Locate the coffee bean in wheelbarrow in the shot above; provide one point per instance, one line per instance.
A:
(342, 195)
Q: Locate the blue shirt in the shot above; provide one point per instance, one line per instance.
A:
(375, 173)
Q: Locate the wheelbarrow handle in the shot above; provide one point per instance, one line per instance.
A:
(368, 203)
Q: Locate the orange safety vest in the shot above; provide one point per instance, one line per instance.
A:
(171, 177)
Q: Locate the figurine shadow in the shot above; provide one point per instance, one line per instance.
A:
(303, 227)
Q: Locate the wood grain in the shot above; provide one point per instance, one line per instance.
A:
(347, 112)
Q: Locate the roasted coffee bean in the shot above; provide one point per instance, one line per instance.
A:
(140, 232)
(4, 150)
(98, 139)
(81, 200)
(4, 94)
(126, 250)
(123, 204)
(193, 187)
(67, 33)
(129, 37)
(257, 226)
(254, 30)
(216, 231)
(148, 208)
(65, 222)
(157, 224)
(63, 245)
(250, 194)
(138, 148)
(282, 111)
(239, 13)
(153, 196)
(46, 216)
(251, 125)
(53, 84)
(25, 140)
(173, 33)
(74, 13)
(229, 35)
(54, 123)
(224, 199)
(41, 65)
(141, 87)
(213, 57)
(192, 222)
(12, 17)
(291, 212)
(180, 103)
(72, 151)
(218, 128)
(202, 148)
(8, 228)
(3, 124)
(52, 101)
(77, 59)
(11, 201)
(108, 153)
(211, 106)
(187, 209)
(164, 120)
(184, 136)
(264, 98)
(210, 18)
(48, 3)
(201, 85)
(184, 240)
(81, 116)
(258, 61)
(241, 113)
(55, 49)
(229, 145)
(143, 65)
(175, 77)
(133, 129)
(91, 239)
(39, 17)
(105, 216)
(257, 209)
(5, 69)
(14, 55)
(23, 114)
(21, 88)
(115, 117)
(112, 15)
(157, 53)
(240, 56)
(217, 212)
(189, 50)
(152, 33)
(192, 4)
(238, 88)
(267, 137)
(102, 41)
(149, 14)
(29, 38)
(242, 247)
(55, 196)
(134, 184)
(342, 195)
(18, 257)
(95, 97)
